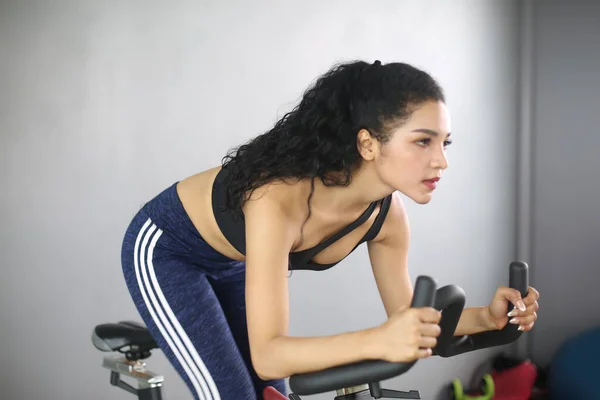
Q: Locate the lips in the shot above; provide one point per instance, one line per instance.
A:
(431, 183)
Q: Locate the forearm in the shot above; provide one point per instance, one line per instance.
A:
(474, 320)
(288, 355)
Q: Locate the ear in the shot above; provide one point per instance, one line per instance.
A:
(367, 145)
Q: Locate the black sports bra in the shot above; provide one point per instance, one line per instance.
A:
(235, 229)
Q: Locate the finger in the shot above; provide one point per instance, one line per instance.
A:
(424, 353)
(430, 315)
(526, 328)
(427, 342)
(531, 297)
(532, 308)
(432, 330)
(524, 320)
(529, 310)
(513, 296)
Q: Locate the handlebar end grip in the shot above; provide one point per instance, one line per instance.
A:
(424, 295)
(519, 277)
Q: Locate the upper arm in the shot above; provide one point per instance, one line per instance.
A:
(269, 238)
(388, 254)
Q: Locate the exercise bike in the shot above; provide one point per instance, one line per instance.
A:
(131, 343)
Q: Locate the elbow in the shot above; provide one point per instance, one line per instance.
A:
(266, 366)
(267, 375)
(267, 369)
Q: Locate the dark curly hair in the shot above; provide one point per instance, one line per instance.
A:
(318, 138)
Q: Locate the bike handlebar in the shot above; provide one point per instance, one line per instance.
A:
(364, 371)
(448, 299)
(452, 305)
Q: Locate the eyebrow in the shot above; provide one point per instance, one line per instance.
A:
(430, 132)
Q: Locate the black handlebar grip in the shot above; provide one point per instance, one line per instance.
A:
(424, 294)
(518, 279)
(362, 372)
(450, 300)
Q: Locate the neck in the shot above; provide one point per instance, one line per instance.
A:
(362, 191)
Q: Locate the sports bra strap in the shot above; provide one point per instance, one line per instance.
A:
(378, 223)
(308, 254)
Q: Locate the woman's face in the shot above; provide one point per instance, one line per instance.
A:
(415, 156)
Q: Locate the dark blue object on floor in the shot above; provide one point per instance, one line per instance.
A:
(575, 370)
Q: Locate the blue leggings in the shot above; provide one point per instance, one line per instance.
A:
(192, 300)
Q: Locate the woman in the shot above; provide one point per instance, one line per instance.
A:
(207, 260)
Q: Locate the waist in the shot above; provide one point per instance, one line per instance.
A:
(168, 213)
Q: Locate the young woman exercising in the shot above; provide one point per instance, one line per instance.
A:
(207, 260)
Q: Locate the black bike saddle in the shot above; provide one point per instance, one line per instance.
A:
(121, 335)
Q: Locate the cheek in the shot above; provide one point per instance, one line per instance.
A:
(401, 157)
(405, 167)
(399, 164)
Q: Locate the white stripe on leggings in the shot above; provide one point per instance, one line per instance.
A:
(168, 324)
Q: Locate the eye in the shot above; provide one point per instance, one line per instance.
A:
(427, 141)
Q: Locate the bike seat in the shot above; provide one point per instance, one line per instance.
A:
(116, 336)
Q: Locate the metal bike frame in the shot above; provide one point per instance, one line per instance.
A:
(149, 384)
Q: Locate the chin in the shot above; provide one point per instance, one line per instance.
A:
(421, 199)
(417, 194)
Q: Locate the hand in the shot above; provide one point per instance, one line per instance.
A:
(409, 334)
(524, 314)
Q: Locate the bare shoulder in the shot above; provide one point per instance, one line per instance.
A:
(286, 200)
(396, 224)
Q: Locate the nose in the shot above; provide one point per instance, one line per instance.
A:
(439, 159)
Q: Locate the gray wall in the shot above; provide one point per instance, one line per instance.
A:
(566, 140)
(104, 104)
